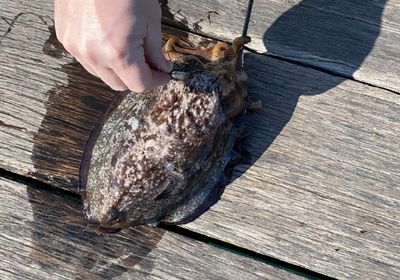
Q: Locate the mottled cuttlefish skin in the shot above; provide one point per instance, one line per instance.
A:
(161, 162)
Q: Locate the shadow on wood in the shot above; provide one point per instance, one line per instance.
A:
(318, 30)
(73, 110)
(312, 32)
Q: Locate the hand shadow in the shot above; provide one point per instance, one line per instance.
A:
(327, 34)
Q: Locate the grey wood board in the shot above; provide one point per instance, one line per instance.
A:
(45, 98)
(321, 186)
(359, 39)
(43, 235)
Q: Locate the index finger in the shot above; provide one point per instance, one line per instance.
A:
(136, 73)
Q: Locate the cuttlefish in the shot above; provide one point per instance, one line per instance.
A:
(162, 156)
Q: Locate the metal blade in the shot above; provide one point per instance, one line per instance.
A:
(244, 32)
(247, 18)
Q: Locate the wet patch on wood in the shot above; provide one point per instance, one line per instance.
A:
(72, 111)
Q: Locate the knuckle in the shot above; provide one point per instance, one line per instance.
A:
(90, 55)
(116, 54)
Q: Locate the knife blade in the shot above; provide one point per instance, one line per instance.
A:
(239, 63)
(246, 24)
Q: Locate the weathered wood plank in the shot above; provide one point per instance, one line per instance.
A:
(320, 189)
(359, 39)
(44, 236)
(65, 102)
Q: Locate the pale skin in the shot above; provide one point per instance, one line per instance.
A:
(117, 41)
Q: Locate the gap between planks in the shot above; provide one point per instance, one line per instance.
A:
(352, 38)
(240, 251)
(280, 91)
(331, 72)
(43, 235)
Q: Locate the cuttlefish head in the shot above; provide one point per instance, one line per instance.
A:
(215, 67)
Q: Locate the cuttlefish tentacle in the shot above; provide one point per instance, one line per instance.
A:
(160, 156)
(238, 102)
(221, 58)
(233, 92)
(175, 47)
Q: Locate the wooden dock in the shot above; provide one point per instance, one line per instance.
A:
(318, 196)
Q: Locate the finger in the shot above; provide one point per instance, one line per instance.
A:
(136, 74)
(111, 79)
(139, 77)
(153, 49)
(159, 78)
(77, 55)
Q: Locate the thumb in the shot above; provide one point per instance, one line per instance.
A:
(153, 49)
(137, 75)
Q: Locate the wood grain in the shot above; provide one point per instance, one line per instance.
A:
(65, 102)
(358, 39)
(319, 189)
(321, 185)
(44, 236)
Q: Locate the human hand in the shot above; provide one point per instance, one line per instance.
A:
(118, 41)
